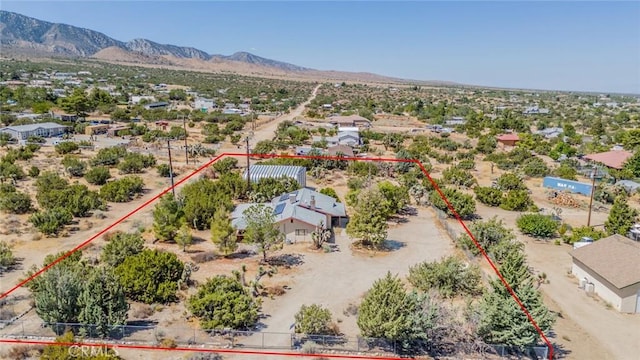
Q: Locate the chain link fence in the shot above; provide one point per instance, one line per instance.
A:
(228, 339)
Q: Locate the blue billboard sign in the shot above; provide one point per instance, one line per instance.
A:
(567, 185)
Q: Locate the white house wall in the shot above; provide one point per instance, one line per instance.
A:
(288, 228)
(598, 287)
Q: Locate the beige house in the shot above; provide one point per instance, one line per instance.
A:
(298, 214)
(610, 268)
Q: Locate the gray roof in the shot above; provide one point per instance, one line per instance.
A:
(32, 127)
(274, 171)
(298, 209)
(324, 203)
(628, 184)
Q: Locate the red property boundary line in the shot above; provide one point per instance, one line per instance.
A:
(273, 156)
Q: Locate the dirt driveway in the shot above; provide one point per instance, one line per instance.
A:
(336, 279)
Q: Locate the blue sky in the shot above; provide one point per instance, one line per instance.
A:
(587, 46)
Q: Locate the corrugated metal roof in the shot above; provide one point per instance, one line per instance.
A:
(31, 127)
(274, 171)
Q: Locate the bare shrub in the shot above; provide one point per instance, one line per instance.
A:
(142, 312)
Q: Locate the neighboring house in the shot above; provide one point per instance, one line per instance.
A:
(610, 268)
(298, 214)
(232, 111)
(456, 120)
(135, 99)
(348, 138)
(23, 132)
(550, 133)
(156, 105)
(204, 104)
(344, 150)
(628, 185)
(508, 139)
(351, 120)
(533, 110)
(257, 172)
(614, 159)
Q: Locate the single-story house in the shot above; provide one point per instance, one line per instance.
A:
(116, 130)
(96, 129)
(298, 214)
(532, 110)
(628, 185)
(614, 159)
(456, 120)
(257, 172)
(156, 105)
(351, 120)
(344, 150)
(550, 133)
(23, 132)
(136, 99)
(349, 138)
(508, 139)
(202, 103)
(609, 268)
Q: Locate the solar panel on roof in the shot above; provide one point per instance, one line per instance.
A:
(284, 197)
(279, 209)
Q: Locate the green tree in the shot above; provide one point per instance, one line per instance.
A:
(462, 203)
(102, 302)
(58, 291)
(202, 199)
(7, 260)
(77, 103)
(167, 218)
(621, 217)
(456, 176)
(222, 302)
(488, 234)
(502, 321)
(510, 181)
(13, 201)
(535, 167)
(123, 189)
(633, 163)
(66, 147)
(120, 246)
(486, 144)
(396, 197)
(538, 225)
(63, 352)
(388, 312)
(517, 200)
(51, 221)
(222, 232)
(74, 166)
(313, 320)
(369, 223)
(184, 237)
(262, 229)
(450, 276)
(150, 276)
(97, 175)
(488, 195)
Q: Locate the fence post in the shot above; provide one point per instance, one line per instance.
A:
(194, 336)
(22, 322)
(262, 340)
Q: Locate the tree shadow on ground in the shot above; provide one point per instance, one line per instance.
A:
(393, 245)
(286, 260)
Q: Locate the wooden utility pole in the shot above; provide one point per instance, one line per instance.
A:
(186, 150)
(173, 189)
(593, 191)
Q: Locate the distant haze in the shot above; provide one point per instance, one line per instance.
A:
(583, 46)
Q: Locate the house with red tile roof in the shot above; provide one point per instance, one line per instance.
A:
(508, 139)
(614, 159)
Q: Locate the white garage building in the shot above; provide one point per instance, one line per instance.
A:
(610, 268)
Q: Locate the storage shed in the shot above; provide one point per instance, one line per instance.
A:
(257, 172)
(609, 268)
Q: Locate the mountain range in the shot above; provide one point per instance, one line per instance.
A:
(23, 35)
